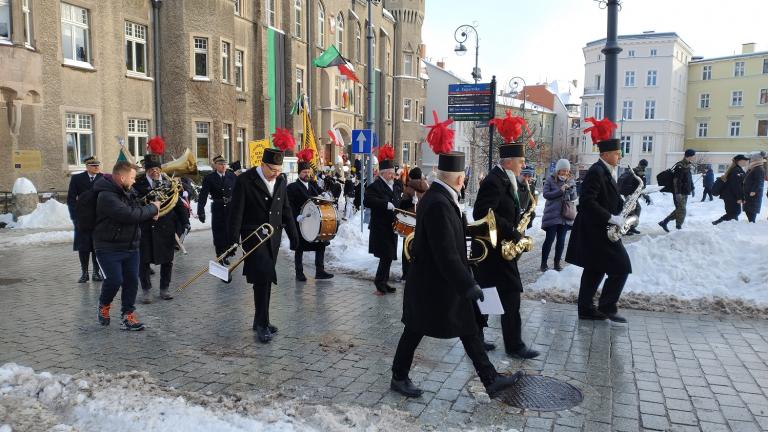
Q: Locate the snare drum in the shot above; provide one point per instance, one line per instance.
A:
(405, 222)
(321, 221)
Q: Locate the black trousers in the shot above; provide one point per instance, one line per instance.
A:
(590, 282)
(319, 260)
(84, 261)
(473, 345)
(382, 271)
(511, 324)
(145, 277)
(262, 292)
(707, 191)
(732, 211)
(752, 217)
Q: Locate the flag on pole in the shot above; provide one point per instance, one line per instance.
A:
(336, 137)
(331, 57)
(309, 141)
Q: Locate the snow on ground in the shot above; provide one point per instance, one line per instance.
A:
(48, 215)
(23, 185)
(46, 237)
(132, 401)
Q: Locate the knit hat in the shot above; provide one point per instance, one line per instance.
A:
(415, 173)
(755, 156)
(563, 164)
(528, 171)
(690, 152)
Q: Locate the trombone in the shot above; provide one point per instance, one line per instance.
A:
(265, 229)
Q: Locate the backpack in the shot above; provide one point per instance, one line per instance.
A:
(85, 211)
(718, 186)
(627, 183)
(665, 179)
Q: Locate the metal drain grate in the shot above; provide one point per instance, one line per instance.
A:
(10, 281)
(540, 393)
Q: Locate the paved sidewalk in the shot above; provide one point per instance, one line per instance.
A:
(336, 341)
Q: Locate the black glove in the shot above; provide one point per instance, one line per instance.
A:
(647, 199)
(201, 217)
(475, 293)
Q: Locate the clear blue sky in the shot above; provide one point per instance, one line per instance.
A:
(542, 40)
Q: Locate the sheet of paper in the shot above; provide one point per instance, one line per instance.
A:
(218, 270)
(492, 303)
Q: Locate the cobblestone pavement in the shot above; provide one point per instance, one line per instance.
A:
(336, 341)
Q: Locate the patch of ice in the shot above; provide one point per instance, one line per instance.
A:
(48, 215)
(23, 185)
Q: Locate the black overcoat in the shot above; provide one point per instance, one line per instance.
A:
(434, 302)
(589, 246)
(220, 191)
(158, 237)
(496, 192)
(298, 194)
(382, 241)
(78, 184)
(753, 182)
(251, 206)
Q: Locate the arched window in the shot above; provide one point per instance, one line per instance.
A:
(358, 41)
(320, 25)
(340, 32)
(297, 19)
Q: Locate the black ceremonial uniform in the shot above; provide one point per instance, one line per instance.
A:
(298, 195)
(79, 184)
(220, 190)
(382, 241)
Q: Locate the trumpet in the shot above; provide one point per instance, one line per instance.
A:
(264, 229)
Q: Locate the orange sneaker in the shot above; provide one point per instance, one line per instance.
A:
(104, 314)
(130, 322)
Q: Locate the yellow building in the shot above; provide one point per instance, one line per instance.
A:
(727, 107)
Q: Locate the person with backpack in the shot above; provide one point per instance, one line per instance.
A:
(116, 239)
(559, 212)
(709, 181)
(79, 201)
(627, 185)
(732, 192)
(681, 188)
(753, 186)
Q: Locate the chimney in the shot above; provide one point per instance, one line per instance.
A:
(748, 48)
(441, 64)
(575, 83)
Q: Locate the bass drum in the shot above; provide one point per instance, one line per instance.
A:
(321, 221)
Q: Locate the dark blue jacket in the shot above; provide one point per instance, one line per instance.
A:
(709, 178)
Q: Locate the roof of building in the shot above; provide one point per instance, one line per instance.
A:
(566, 92)
(641, 36)
(446, 71)
(730, 57)
(507, 101)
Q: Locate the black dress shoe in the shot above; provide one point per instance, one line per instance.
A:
(501, 383)
(615, 318)
(543, 268)
(300, 277)
(272, 328)
(663, 224)
(151, 271)
(389, 288)
(381, 287)
(322, 274)
(489, 346)
(524, 353)
(633, 230)
(265, 336)
(97, 277)
(594, 315)
(225, 261)
(405, 387)
(83, 277)
(558, 266)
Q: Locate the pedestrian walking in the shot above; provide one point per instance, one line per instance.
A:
(79, 184)
(754, 181)
(682, 187)
(709, 181)
(218, 185)
(733, 190)
(559, 212)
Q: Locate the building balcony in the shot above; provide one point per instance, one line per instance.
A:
(593, 91)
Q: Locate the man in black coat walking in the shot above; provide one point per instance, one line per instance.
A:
(259, 197)
(733, 190)
(78, 185)
(499, 191)
(682, 186)
(299, 192)
(218, 185)
(158, 237)
(753, 186)
(600, 204)
(440, 291)
(382, 197)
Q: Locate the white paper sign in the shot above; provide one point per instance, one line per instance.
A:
(218, 270)
(492, 303)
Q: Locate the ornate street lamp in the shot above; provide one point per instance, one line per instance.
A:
(461, 35)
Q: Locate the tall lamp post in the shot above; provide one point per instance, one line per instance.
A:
(461, 35)
(367, 158)
(611, 52)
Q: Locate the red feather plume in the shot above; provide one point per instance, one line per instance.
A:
(386, 152)
(283, 139)
(156, 145)
(440, 136)
(510, 127)
(305, 155)
(600, 130)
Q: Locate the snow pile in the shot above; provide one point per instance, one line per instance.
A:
(7, 218)
(348, 251)
(47, 237)
(48, 215)
(22, 185)
(132, 401)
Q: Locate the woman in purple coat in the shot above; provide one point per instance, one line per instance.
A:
(558, 188)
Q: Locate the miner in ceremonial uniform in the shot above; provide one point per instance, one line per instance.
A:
(218, 185)
(600, 205)
(78, 185)
(299, 192)
(260, 196)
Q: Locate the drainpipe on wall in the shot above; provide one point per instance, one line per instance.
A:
(156, 59)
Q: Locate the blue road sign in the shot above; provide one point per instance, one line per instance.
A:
(482, 88)
(362, 141)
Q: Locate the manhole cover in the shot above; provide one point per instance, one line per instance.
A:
(540, 393)
(10, 281)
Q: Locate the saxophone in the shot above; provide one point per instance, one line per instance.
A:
(615, 232)
(511, 250)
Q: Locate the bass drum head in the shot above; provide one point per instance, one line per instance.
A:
(310, 226)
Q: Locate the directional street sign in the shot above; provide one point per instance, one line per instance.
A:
(470, 102)
(362, 141)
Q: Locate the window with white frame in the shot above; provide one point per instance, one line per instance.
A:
(585, 110)
(763, 96)
(650, 109)
(626, 144)
(138, 134)
(599, 110)
(407, 109)
(79, 137)
(737, 98)
(75, 33)
(297, 22)
(706, 73)
(225, 50)
(238, 8)
(738, 69)
(239, 77)
(387, 57)
(202, 141)
(26, 11)
(653, 52)
(388, 108)
(765, 66)
(647, 143)
(337, 91)
(734, 128)
(704, 100)
(320, 25)
(422, 112)
(135, 48)
(762, 128)
(340, 32)
(599, 57)
(650, 80)
(226, 141)
(299, 81)
(240, 145)
(598, 81)
(408, 64)
(631, 53)
(416, 108)
(629, 78)
(201, 57)
(5, 19)
(626, 110)
(406, 152)
(269, 13)
(358, 42)
(702, 129)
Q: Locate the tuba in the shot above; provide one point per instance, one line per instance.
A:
(172, 189)
(511, 250)
(482, 232)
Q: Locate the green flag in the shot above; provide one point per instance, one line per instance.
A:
(330, 57)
